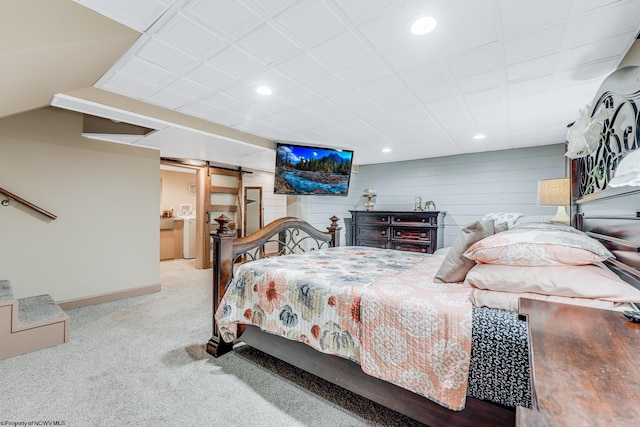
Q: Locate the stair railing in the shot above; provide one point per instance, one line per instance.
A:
(10, 196)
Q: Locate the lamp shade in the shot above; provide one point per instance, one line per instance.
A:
(554, 192)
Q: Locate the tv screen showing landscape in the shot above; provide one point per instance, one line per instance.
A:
(312, 170)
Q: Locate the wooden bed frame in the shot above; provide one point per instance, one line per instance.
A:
(612, 216)
(291, 235)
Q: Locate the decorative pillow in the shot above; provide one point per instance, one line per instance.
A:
(539, 245)
(593, 281)
(508, 218)
(454, 267)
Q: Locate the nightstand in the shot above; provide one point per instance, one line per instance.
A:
(585, 366)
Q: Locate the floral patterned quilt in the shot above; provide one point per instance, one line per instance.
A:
(318, 297)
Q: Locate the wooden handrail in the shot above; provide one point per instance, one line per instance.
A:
(11, 196)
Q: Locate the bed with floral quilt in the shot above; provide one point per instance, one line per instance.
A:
(436, 337)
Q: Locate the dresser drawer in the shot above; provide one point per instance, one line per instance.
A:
(371, 218)
(412, 233)
(414, 218)
(382, 244)
(372, 232)
(424, 248)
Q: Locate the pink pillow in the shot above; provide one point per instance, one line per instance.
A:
(538, 245)
(574, 281)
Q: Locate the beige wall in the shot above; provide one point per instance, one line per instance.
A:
(106, 197)
(175, 190)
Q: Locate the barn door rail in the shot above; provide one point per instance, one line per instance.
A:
(12, 197)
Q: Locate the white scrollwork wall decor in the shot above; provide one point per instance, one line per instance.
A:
(601, 140)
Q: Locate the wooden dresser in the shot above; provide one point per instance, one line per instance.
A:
(414, 231)
(585, 366)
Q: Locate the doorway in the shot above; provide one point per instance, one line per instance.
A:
(253, 218)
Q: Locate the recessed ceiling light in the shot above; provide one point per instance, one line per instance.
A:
(264, 90)
(479, 137)
(386, 150)
(423, 25)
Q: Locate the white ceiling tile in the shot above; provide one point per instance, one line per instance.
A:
(302, 117)
(413, 55)
(189, 89)
(389, 30)
(342, 51)
(250, 113)
(477, 21)
(532, 68)
(359, 9)
(329, 85)
(128, 86)
(215, 79)
(450, 116)
(495, 108)
(536, 101)
(226, 17)
(357, 127)
(223, 102)
(594, 70)
(299, 95)
(364, 72)
(272, 104)
(309, 21)
(413, 116)
(587, 5)
(487, 96)
(424, 77)
(169, 99)
(435, 93)
(484, 58)
(275, 80)
(162, 54)
(267, 5)
(520, 16)
(621, 17)
(147, 72)
(227, 119)
(327, 111)
(596, 51)
(383, 88)
(303, 67)
(200, 109)
(187, 35)
(530, 86)
(480, 81)
(244, 92)
(444, 105)
(398, 101)
(534, 43)
(286, 125)
(268, 44)
(236, 62)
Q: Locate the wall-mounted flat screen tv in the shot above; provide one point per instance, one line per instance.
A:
(312, 170)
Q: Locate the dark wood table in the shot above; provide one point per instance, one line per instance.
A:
(585, 366)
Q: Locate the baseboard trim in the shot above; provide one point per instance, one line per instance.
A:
(108, 297)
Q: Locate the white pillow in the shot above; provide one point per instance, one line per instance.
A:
(498, 218)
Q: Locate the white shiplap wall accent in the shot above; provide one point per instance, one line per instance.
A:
(465, 186)
(274, 205)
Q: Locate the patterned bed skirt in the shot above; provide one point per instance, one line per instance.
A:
(499, 366)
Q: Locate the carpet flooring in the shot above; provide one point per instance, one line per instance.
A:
(142, 362)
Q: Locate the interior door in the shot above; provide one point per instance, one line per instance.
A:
(223, 192)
